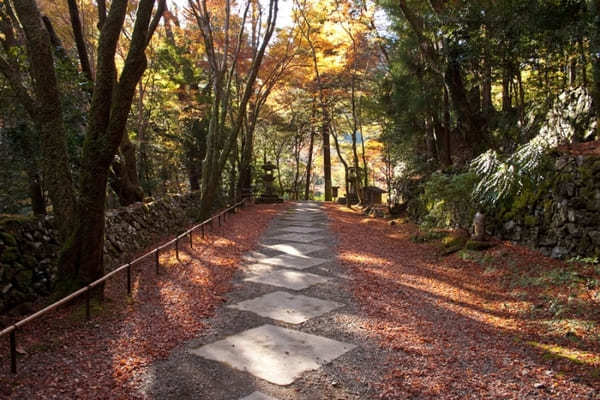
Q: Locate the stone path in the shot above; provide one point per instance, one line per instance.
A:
(287, 329)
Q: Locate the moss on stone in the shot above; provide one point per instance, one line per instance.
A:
(7, 219)
(29, 261)
(9, 255)
(23, 279)
(428, 236)
(530, 220)
(452, 244)
(477, 245)
(8, 239)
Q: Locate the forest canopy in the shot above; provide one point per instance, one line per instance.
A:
(108, 103)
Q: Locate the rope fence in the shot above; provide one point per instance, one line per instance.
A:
(220, 218)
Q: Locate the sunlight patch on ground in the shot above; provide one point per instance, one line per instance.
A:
(363, 259)
(574, 355)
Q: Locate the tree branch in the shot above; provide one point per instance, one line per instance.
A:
(84, 60)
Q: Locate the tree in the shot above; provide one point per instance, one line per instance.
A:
(80, 219)
(307, 22)
(222, 62)
(277, 63)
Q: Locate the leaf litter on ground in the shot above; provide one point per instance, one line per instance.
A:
(63, 356)
(468, 325)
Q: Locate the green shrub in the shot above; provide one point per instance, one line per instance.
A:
(447, 200)
(477, 245)
(427, 236)
(451, 244)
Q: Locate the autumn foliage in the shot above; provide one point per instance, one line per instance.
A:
(62, 355)
(460, 330)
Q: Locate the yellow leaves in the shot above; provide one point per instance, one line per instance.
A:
(572, 354)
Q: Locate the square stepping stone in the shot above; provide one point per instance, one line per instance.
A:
(258, 396)
(288, 279)
(306, 224)
(305, 214)
(303, 217)
(287, 307)
(297, 237)
(294, 262)
(295, 249)
(302, 229)
(253, 256)
(277, 355)
(260, 268)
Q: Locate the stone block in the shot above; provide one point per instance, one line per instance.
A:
(288, 279)
(277, 355)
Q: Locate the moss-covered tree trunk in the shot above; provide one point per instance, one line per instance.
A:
(82, 223)
(309, 164)
(45, 108)
(594, 54)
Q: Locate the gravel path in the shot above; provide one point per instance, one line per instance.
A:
(187, 374)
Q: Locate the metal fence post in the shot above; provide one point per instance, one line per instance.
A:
(13, 352)
(191, 240)
(177, 248)
(157, 261)
(203, 231)
(129, 279)
(88, 295)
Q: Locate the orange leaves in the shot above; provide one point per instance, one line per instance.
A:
(127, 335)
(454, 331)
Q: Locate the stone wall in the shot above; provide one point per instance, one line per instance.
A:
(129, 229)
(29, 249)
(561, 217)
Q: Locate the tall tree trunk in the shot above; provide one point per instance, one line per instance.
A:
(584, 62)
(297, 145)
(486, 88)
(446, 150)
(125, 181)
(82, 256)
(194, 179)
(323, 104)
(310, 152)
(220, 139)
(339, 153)
(83, 224)
(521, 98)
(469, 116)
(79, 40)
(47, 113)
(232, 174)
(309, 164)
(364, 159)
(326, 154)
(38, 203)
(245, 170)
(506, 97)
(594, 51)
(573, 72)
(357, 176)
